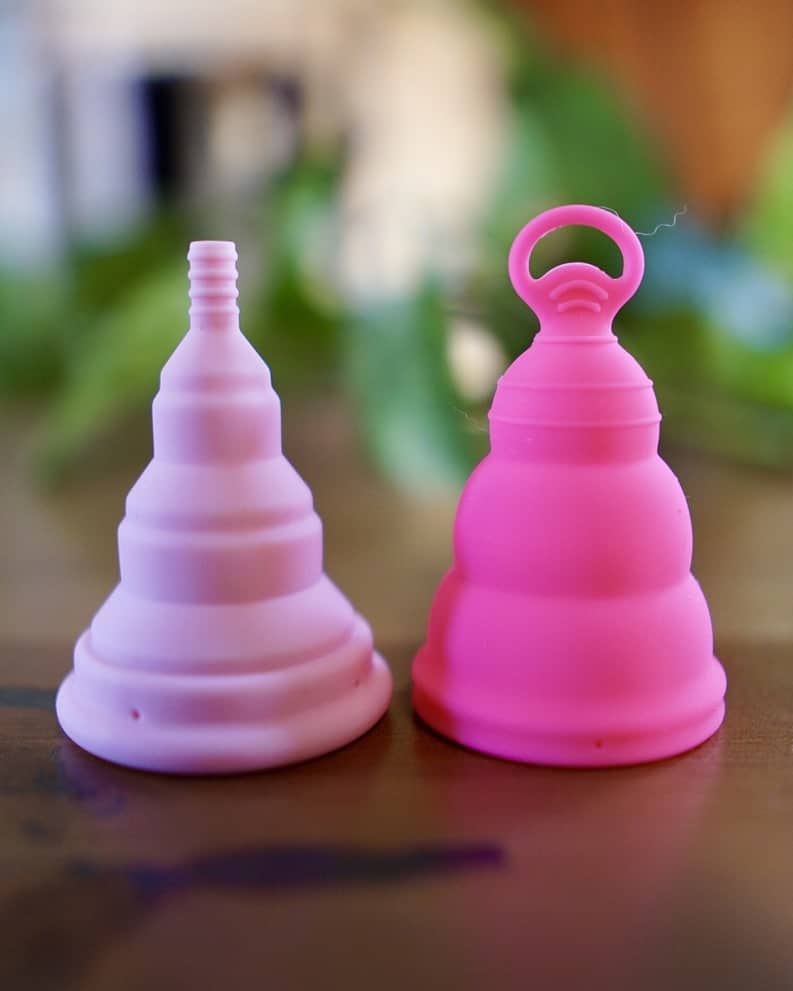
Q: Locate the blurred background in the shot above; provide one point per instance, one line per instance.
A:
(373, 160)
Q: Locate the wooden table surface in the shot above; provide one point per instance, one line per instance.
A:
(401, 861)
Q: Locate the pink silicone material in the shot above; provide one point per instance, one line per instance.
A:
(224, 647)
(570, 630)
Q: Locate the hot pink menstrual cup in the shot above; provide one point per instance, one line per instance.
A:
(224, 647)
(570, 630)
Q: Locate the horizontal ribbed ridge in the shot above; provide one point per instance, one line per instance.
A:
(213, 285)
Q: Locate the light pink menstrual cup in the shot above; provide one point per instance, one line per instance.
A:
(570, 630)
(224, 647)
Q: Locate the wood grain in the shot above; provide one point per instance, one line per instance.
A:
(399, 861)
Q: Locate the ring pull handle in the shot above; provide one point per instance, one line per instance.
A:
(576, 288)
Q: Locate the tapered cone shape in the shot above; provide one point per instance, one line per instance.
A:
(224, 647)
(570, 629)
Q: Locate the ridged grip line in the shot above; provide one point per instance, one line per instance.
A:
(213, 285)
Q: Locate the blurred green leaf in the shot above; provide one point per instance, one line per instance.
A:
(525, 185)
(600, 152)
(103, 272)
(36, 321)
(295, 319)
(572, 141)
(716, 392)
(408, 409)
(768, 225)
(755, 434)
(118, 372)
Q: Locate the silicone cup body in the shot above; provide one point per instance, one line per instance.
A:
(570, 630)
(224, 647)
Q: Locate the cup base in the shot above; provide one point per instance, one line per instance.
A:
(226, 749)
(562, 748)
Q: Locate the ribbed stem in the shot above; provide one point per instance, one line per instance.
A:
(213, 286)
